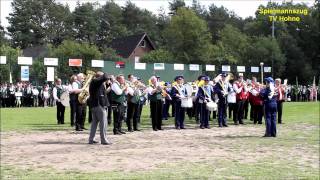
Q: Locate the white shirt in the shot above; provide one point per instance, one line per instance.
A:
(150, 89)
(238, 90)
(75, 85)
(54, 93)
(232, 96)
(116, 89)
(35, 92)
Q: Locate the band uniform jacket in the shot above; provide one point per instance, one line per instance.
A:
(98, 94)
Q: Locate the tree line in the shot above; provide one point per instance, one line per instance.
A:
(186, 34)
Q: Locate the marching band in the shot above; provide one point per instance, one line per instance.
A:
(199, 99)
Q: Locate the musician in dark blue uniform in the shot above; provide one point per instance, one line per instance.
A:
(204, 95)
(196, 102)
(178, 91)
(221, 89)
(270, 105)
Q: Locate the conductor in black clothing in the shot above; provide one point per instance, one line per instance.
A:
(98, 104)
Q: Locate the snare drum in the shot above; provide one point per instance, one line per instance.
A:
(186, 102)
(211, 106)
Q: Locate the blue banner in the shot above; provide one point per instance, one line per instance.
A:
(24, 73)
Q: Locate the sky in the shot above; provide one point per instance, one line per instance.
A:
(243, 8)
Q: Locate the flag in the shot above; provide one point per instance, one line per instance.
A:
(120, 64)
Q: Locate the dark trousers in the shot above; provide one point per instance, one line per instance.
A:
(196, 107)
(60, 113)
(73, 110)
(190, 112)
(279, 108)
(137, 115)
(118, 116)
(251, 111)
(257, 111)
(214, 114)
(172, 109)
(156, 114)
(240, 109)
(12, 100)
(166, 106)
(246, 109)
(89, 115)
(80, 115)
(131, 121)
(271, 119)
(179, 116)
(222, 113)
(204, 115)
(109, 110)
(232, 107)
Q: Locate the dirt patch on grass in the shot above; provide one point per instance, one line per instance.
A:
(145, 150)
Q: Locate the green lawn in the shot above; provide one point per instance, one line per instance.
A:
(44, 119)
(301, 129)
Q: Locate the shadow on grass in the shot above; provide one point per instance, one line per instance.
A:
(52, 129)
(62, 142)
(239, 137)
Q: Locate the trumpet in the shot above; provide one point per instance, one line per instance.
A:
(138, 84)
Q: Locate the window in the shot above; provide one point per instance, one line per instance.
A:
(136, 59)
(143, 43)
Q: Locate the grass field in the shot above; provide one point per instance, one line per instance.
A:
(236, 152)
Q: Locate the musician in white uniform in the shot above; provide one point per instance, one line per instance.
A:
(155, 97)
(119, 90)
(57, 91)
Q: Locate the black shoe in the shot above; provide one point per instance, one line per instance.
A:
(225, 125)
(122, 132)
(161, 129)
(136, 130)
(106, 143)
(220, 125)
(266, 135)
(93, 142)
(83, 128)
(182, 128)
(208, 127)
(201, 127)
(241, 123)
(155, 129)
(79, 129)
(259, 122)
(130, 130)
(117, 133)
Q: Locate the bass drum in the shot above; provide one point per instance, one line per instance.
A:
(64, 98)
